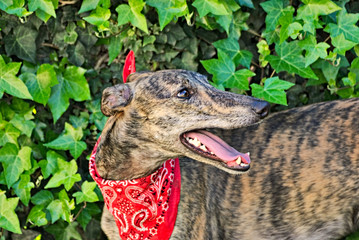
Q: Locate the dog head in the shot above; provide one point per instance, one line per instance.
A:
(167, 114)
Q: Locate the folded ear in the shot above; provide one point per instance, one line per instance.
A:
(115, 98)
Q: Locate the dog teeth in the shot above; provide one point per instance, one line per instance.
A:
(248, 153)
(203, 148)
(195, 142)
(239, 160)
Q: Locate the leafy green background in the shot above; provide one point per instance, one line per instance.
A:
(56, 57)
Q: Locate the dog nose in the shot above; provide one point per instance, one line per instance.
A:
(261, 108)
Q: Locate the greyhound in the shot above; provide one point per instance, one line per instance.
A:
(304, 163)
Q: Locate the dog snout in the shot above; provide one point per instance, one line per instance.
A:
(261, 108)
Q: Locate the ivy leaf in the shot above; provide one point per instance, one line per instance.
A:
(37, 216)
(231, 47)
(88, 5)
(290, 59)
(132, 13)
(70, 140)
(312, 9)
(346, 25)
(23, 188)
(239, 80)
(313, 50)
(59, 209)
(25, 126)
(168, 9)
(263, 50)
(66, 175)
(16, 8)
(44, 197)
(215, 7)
(22, 43)
(99, 17)
(9, 82)
(14, 162)
(40, 85)
(87, 214)
(72, 84)
(9, 134)
(43, 5)
(246, 3)
(64, 231)
(8, 217)
(87, 194)
(222, 68)
(49, 166)
(114, 48)
(341, 44)
(275, 9)
(272, 91)
(224, 72)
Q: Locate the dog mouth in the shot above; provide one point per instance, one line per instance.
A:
(211, 146)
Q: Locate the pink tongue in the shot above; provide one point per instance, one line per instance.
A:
(216, 145)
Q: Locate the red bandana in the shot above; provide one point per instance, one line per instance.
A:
(144, 208)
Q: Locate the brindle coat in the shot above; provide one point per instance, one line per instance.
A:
(303, 182)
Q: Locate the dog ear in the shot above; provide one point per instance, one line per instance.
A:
(115, 98)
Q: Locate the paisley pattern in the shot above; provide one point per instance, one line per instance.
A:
(144, 208)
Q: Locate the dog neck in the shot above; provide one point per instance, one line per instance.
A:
(124, 153)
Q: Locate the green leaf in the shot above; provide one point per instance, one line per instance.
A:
(346, 25)
(9, 83)
(44, 197)
(264, 51)
(168, 9)
(8, 217)
(66, 175)
(44, 5)
(88, 5)
(99, 17)
(275, 9)
(59, 209)
(224, 72)
(25, 126)
(330, 70)
(16, 8)
(222, 68)
(114, 48)
(272, 91)
(215, 7)
(341, 44)
(9, 135)
(87, 214)
(70, 140)
(37, 216)
(132, 13)
(290, 59)
(246, 3)
(23, 188)
(239, 80)
(244, 58)
(49, 165)
(87, 194)
(313, 50)
(312, 9)
(14, 162)
(72, 84)
(64, 231)
(40, 85)
(22, 43)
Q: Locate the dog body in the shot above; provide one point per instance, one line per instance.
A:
(303, 182)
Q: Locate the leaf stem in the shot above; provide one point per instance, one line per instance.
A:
(50, 45)
(272, 74)
(78, 213)
(63, 3)
(254, 32)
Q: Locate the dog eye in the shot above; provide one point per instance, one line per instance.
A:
(184, 93)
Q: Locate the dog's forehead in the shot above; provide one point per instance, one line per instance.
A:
(173, 77)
